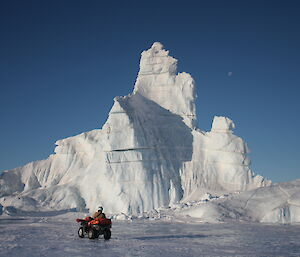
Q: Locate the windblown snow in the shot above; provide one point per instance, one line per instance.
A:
(148, 155)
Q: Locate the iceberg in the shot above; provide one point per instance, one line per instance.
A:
(149, 153)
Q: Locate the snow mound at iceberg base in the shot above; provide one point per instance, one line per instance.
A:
(278, 203)
(149, 153)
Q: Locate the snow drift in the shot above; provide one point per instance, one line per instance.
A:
(148, 154)
(278, 203)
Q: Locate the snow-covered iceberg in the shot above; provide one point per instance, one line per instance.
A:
(149, 153)
(278, 203)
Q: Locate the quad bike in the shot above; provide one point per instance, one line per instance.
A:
(94, 228)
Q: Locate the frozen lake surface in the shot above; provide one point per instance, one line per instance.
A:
(44, 236)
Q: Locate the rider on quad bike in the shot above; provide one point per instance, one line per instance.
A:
(95, 226)
(99, 214)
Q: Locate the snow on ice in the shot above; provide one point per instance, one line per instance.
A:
(150, 156)
(57, 236)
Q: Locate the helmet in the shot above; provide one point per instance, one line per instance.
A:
(100, 208)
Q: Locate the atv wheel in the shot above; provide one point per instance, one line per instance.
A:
(91, 234)
(81, 232)
(107, 234)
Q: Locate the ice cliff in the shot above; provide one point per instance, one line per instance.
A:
(149, 153)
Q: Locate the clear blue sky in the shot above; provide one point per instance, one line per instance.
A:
(63, 62)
